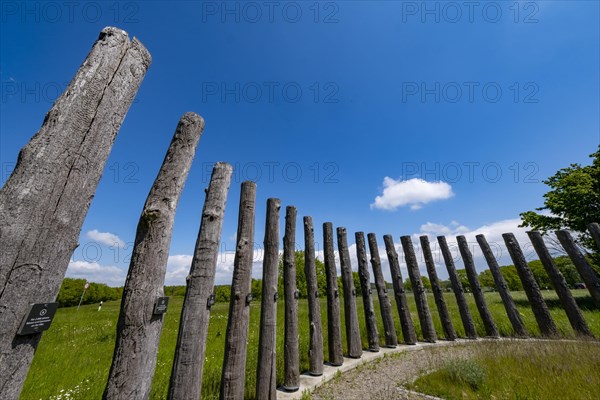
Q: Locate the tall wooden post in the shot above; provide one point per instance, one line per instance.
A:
(186, 375)
(438, 293)
(266, 383)
(291, 355)
(594, 229)
(406, 323)
(350, 315)
(463, 307)
(139, 328)
(236, 335)
(365, 286)
(509, 304)
(315, 351)
(334, 330)
(538, 305)
(45, 200)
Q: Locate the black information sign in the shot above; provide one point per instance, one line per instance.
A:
(38, 318)
(160, 307)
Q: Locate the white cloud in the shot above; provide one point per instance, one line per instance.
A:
(94, 272)
(413, 192)
(178, 267)
(106, 238)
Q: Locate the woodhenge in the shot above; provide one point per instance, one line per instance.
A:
(44, 202)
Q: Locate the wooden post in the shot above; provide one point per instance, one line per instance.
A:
(334, 330)
(560, 285)
(463, 307)
(365, 286)
(391, 340)
(583, 267)
(266, 385)
(138, 328)
(44, 202)
(488, 321)
(186, 375)
(406, 323)
(236, 336)
(594, 229)
(291, 355)
(438, 292)
(509, 304)
(419, 291)
(538, 305)
(315, 351)
(350, 315)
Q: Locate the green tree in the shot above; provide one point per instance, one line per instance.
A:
(424, 279)
(301, 276)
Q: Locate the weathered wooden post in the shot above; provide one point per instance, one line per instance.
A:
(236, 336)
(509, 304)
(406, 323)
(45, 200)
(385, 306)
(419, 291)
(583, 267)
(140, 325)
(438, 293)
(186, 375)
(334, 329)
(291, 355)
(463, 307)
(350, 315)
(365, 286)
(266, 385)
(594, 229)
(315, 352)
(560, 285)
(484, 312)
(532, 290)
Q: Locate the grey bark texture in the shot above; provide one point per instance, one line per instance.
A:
(138, 329)
(365, 286)
(408, 329)
(509, 304)
(560, 285)
(463, 307)
(427, 328)
(532, 290)
(438, 292)
(583, 267)
(353, 340)
(45, 200)
(315, 349)
(334, 329)
(484, 312)
(266, 373)
(186, 375)
(594, 229)
(236, 336)
(291, 350)
(391, 340)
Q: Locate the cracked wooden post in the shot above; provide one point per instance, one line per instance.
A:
(408, 329)
(315, 352)
(391, 340)
(365, 286)
(236, 336)
(334, 329)
(266, 385)
(138, 327)
(291, 355)
(532, 290)
(353, 340)
(594, 229)
(186, 375)
(509, 304)
(45, 200)
(484, 312)
(560, 285)
(438, 293)
(463, 307)
(427, 328)
(583, 267)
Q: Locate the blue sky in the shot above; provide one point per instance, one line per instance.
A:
(339, 108)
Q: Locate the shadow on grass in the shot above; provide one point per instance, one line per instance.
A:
(584, 302)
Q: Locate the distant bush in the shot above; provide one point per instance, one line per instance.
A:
(72, 289)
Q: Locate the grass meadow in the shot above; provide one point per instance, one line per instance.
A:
(74, 355)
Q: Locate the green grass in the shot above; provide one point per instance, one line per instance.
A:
(74, 355)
